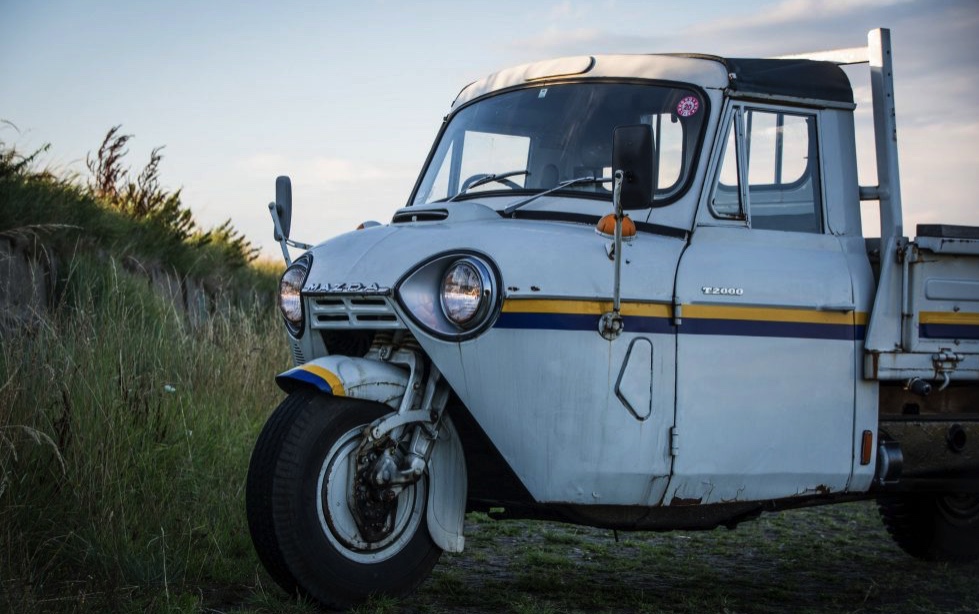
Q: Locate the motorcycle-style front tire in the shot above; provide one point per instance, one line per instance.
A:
(298, 501)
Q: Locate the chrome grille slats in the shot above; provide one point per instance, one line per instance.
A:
(352, 311)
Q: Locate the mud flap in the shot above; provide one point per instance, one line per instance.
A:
(447, 483)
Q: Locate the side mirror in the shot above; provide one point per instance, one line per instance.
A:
(632, 153)
(283, 206)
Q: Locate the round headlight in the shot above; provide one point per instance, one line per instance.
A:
(290, 295)
(465, 292)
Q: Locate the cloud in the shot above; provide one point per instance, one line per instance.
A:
(936, 46)
(797, 12)
(321, 172)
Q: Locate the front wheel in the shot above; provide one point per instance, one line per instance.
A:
(312, 527)
(933, 527)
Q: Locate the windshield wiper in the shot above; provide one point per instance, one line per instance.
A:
(501, 177)
(564, 184)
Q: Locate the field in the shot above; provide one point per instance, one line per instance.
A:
(125, 435)
(830, 559)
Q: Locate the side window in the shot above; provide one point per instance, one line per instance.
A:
(780, 172)
(726, 199)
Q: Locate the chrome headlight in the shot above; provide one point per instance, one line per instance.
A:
(290, 294)
(465, 292)
(452, 296)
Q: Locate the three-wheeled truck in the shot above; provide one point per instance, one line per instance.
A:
(628, 291)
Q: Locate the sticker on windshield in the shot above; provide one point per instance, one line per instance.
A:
(542, 93)
(688, 106)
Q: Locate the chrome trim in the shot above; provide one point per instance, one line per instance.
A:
(357, 311)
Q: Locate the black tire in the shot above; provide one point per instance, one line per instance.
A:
(933, 527)
(302, 528)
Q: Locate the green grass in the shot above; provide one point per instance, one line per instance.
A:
(124, 441)
(64, 214)
(125, 435)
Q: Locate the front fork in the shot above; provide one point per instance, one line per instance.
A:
(396, 449)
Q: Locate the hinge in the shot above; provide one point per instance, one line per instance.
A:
(674, 441)
(677, 311)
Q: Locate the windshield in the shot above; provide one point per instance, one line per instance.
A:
(534, 139)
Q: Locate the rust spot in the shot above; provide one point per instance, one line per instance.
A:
(534, 289)
(680, 502)
(822, 489)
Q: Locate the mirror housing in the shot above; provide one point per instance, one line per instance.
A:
(633, 154)
(283, 206)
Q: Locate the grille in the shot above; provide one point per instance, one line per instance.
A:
(297, 354)
(358, 312)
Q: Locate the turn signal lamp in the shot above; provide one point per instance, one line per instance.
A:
(606, 227)
(867, 449)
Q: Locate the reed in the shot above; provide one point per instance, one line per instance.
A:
(124, 441)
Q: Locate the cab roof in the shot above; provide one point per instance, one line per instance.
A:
(791, 78)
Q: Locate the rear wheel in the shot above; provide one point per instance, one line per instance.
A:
(318, 526)
(933, 527)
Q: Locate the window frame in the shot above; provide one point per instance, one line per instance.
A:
(737, 115)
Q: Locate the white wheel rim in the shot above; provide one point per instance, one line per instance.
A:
(337, 522)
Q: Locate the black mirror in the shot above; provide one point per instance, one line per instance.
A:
(283, 204)
(632, 153)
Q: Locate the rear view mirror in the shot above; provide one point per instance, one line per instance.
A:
(283, 205)
(632, 153)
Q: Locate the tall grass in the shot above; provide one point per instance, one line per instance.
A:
(129, 217)
(124, 441)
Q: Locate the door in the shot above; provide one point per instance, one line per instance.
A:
(765, 344)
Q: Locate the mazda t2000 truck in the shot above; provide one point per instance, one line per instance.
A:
(627, 291)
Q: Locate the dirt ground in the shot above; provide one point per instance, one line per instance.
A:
(831, 559)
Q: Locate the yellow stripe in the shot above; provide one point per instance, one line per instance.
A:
(659, 310)
(584, 307)
(948, 317)
(555, 306)
(328, 376)
(772, 314)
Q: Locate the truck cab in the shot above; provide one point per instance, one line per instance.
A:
(631, 292)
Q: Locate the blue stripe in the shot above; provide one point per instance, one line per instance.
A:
(759, 328)
(948, 331)
(690, 326)
(575, 321)
(547, 321)
(301, 375)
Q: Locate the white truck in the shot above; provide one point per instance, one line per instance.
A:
(627, 291)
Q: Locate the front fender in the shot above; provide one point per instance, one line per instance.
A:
(344, 376)
(381, 382)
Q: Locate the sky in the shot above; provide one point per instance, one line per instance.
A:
(346, 98)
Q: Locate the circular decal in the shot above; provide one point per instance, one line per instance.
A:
(688, 106)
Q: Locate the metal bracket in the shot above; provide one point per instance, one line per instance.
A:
(610, 325)
(945, 362)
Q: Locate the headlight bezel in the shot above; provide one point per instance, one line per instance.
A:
(420, 295)
(290, 288)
